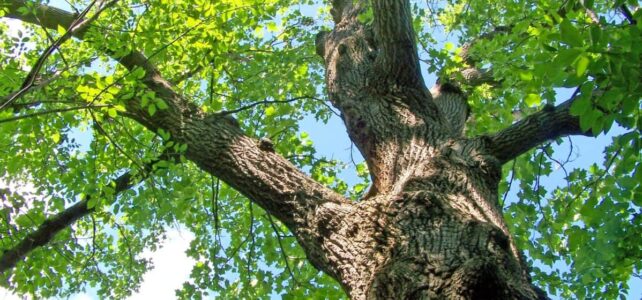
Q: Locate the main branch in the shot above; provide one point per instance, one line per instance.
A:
(219, 147)
(373, 78)
(397, 60)
(548, 124)
(50, 227)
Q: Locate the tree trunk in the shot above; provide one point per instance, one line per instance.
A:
(437, 235)
(430, 226)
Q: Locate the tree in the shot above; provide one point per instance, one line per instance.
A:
(193, 110)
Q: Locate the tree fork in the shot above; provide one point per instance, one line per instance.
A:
(423, 172)
(431, 228)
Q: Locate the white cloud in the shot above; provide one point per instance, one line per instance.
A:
(14, 26)
(172, 268)
(6, 295)
(81, 297)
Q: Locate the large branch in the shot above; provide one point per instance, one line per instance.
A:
(219, 147)
(372, 77)
(50, 227)
(547, 124)
(344, 9)
(397, 59)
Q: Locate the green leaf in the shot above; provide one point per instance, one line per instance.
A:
(526, 76)
(270, 111)
(151, 109)
(567, 57)
(271, 27)
(112, 112)
(138, 73)
(161, 104)
(581, 65)
(533, 100)
(164, 134)
(587, 3)
(61, 30)
(570, 34)
(578, 230)
(91, 204)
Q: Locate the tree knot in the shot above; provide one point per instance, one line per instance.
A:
(266, 144)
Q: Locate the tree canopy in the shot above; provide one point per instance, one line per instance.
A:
(88, 94)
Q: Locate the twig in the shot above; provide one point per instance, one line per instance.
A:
(283, 254)
(510, 182)
(102, 131)
(627, 14)
(264, 102)
(599, 178)
(252, 243)
(77, 25)
(53, 111)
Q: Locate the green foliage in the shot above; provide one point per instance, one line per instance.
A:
(238, 53)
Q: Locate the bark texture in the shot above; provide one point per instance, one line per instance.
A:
(430, 226)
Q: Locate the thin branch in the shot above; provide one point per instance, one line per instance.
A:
(52, 17)
(238, 248)
(53, 111)
(215, 187)
(252, 243)
(538, 198)
(78, 25)
(627, 14)
(237, 161)
(127, 244)
(31, 77)
(40, 84)
(473, 75)
(93, 243)
(246, 107)
(283, 254)
(397, 60)
(510, 183)
(595, 181)
(187, 75)
(102, 131)
(45, 233)
(561, 165)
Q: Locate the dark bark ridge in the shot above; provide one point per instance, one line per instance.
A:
(430, 227)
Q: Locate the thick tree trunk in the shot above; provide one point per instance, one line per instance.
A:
(430, 226)
(438, 235)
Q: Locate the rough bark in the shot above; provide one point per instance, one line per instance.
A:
(430, 226)
(550, 123)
